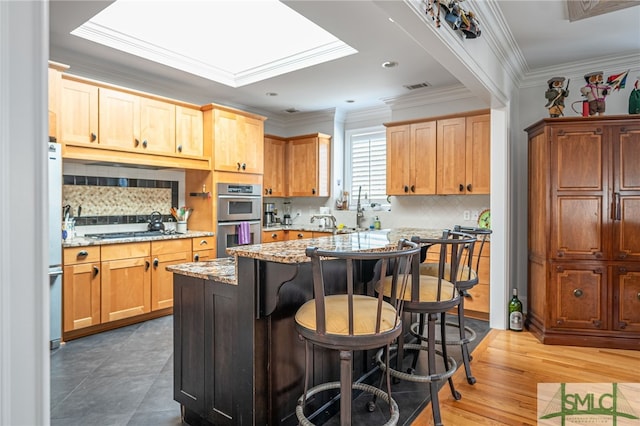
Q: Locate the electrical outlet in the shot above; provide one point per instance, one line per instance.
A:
(466, 215)
(298, 212)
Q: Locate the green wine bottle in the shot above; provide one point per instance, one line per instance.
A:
(515, 312)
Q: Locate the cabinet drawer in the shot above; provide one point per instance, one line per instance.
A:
(87, 254)
(203, 255)
(203, 243)
(271, 236)
(170, 246)
(125, 251)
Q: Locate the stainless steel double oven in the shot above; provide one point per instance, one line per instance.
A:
(239, 207)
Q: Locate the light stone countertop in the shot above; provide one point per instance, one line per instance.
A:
(224, 269)
(84, 241)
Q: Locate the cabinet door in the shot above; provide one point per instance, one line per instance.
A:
(274, 167)
(119, 119)
(451, 156)
(626, 297)
(162, 280)
(78, 113)
(55, 83)
(298, 235)
(126, 288)
(578, 193)
(81, 296)
(423, 162)
(204, 255)
(626, 194)
(189, 131)
(478, 154)
(157, 126)
(578, 296)
(315, 234)
(303, 167)
(272, 236)
(251, 141)
(399, 164)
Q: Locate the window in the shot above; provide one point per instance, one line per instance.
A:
(366, 165)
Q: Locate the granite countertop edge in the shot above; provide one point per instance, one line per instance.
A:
(83, 241)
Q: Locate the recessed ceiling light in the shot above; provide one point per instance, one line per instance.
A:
(291, 110)
(271, 94)
(349, 101)
(389, 64)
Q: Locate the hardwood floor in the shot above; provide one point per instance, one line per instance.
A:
(508, 367)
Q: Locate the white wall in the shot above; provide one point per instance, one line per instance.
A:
(24, 285)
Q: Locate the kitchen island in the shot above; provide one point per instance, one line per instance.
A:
(237, 357)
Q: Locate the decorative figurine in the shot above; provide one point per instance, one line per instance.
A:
(595, 91)
(556, 95)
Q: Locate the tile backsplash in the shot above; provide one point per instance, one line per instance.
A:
(108, 200)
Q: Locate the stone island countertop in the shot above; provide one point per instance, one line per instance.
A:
(293, 251)
(86, 241)
(221, 270)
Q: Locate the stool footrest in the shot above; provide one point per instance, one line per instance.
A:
(436, 377)
(469, 332)
(395, 412)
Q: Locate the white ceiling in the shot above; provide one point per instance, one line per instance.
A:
(541, 37)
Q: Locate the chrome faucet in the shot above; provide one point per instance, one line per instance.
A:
(359, 210)
(324, 217)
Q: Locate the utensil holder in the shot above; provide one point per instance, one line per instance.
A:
(181, 227)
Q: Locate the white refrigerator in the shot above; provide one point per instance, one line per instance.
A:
(55, 242)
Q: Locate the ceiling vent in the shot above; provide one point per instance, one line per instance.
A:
(416, 86)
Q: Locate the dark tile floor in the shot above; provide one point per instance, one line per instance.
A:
(125, 377)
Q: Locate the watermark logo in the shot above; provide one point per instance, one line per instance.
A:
(568, 404)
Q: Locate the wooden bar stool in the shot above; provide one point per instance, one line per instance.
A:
(429, 296)
(338, 319)
(467, 279)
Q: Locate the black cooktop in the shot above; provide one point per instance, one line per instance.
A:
(133, 234)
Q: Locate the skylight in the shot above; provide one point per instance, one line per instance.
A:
(232, 42)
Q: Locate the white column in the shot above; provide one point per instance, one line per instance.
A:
(24, 285)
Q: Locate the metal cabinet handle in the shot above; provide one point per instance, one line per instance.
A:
(617, 213)
(578, 292)
(196, 257)
(156, 262)
(144, 143)
(136, 142)
(313, 191)
(406, 188)
(300, 235)
(82, 253)
(266, 191)
(203, 242)
(274, 235)
(146, 265)
(598, 255)
(413, 188)
(469, 187)
(93, 137)
(96, 271)
(270, 191)
(179, 148)
(461, 187)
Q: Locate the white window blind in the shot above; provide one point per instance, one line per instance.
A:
(367, 166)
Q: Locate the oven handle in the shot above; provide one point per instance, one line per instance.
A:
(250, 222)
(241, 197)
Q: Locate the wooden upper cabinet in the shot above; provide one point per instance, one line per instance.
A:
(308, 166)
(464, 154)
(478, 154)
(78, 113)
(238, 142)
(54, 91)
(274, 181)
(411, 159)
(136, 123)
(189, 131)
(119, 119)
(157, 126)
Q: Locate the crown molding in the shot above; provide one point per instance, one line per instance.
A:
(429, 97)
(617, 63)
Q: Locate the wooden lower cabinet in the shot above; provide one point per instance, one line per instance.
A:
(273, 236)
(625, 281)
(126, 288)
(81, 288)
(165, 253)
(203, 248)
